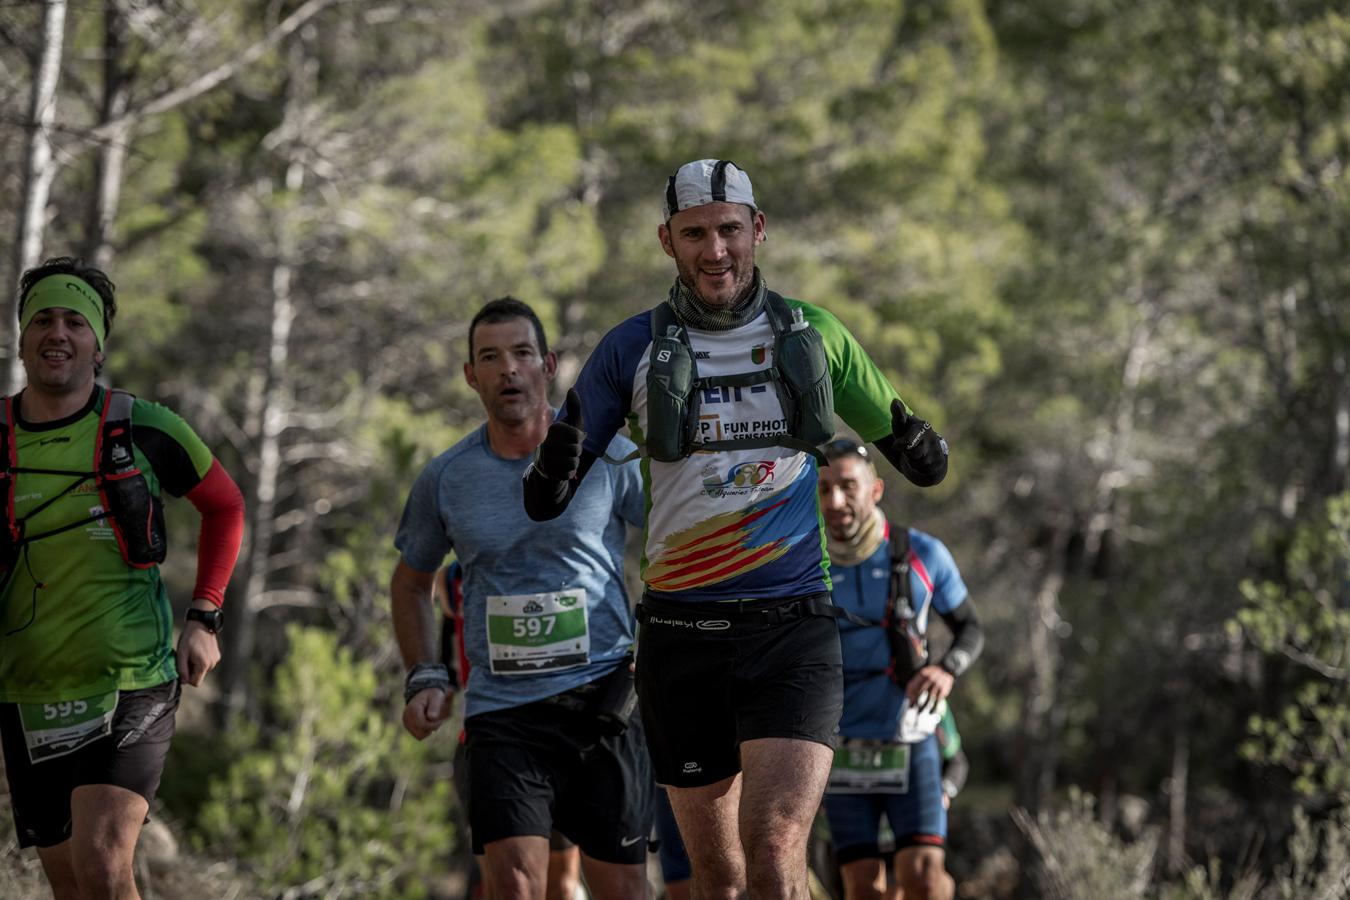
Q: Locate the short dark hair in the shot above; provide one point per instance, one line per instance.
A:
(71, 265)
(504, 309)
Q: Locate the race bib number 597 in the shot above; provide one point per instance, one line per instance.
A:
(530, 633)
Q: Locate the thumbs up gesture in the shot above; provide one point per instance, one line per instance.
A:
(922, 450)
(559, 456)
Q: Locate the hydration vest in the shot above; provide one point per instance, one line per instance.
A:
(800, 376)
(134, 513)
(453, 655)
(909, 646)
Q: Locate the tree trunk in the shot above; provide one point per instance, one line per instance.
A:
(1175, 851)
(275, 409)
(112, 151)
(39, 165)
(1038, 742)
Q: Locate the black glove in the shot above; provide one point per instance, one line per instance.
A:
(922, 451)
(559, 456)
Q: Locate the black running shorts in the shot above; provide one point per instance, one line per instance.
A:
(709, 678)
(131, 757)
(540, 767)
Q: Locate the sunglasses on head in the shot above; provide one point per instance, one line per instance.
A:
(844, 447)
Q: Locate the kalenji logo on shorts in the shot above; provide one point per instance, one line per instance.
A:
(692, 767)
(658, 620)
(713, 625)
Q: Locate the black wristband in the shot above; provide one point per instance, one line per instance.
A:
(425, 675)
(211, 619)
(545, 498)
(956, 661)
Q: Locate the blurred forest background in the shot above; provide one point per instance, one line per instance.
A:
(1104, 246)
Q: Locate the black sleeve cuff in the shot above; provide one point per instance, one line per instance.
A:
(894, 454)
(967, 639)
(545, 498)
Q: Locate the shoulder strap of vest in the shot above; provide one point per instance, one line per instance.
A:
(780, 314)
(900, 587)
(101, 431)
(9, 459)
(663, 318)
(114, 426)
(120, 404)
(783, 319)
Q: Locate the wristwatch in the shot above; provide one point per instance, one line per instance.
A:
(213, 619)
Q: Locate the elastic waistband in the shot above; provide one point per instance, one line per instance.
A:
(726, 614)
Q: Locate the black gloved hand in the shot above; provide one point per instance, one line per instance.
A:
(559, 456)
(922, 450)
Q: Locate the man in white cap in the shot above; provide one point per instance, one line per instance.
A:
(729, 390)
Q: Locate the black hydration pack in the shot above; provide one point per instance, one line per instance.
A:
(135, 514)
(799, 375)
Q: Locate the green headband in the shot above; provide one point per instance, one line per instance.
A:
(64, 292)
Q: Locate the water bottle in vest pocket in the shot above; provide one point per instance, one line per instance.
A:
(672, 402)
(135, 514)
(805, 374)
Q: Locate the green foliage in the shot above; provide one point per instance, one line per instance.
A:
(1206, 883)
(1318, 860)
(1305, 618)
(1100, 244)
(1318, 866)
(1081, 857)
(335, 798)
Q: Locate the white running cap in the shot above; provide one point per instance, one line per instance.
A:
(707, 181)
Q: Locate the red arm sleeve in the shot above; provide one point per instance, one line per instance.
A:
(221, 504)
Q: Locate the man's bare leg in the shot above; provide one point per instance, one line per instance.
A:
(922, 874)
(864, 879)
(564, 874)
(96, 863)
(59, 871)
(517, 867)
(615, 881)
(784, 780)
(708, 818)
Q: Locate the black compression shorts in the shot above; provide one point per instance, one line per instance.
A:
(709, 679)
(540, 767)
(131, 757)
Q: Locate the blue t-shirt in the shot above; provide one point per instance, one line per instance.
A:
(471, 501)
(873, 703)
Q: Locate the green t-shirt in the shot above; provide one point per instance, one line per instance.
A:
(75, 619)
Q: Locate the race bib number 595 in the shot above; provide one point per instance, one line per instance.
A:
(55, 729)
